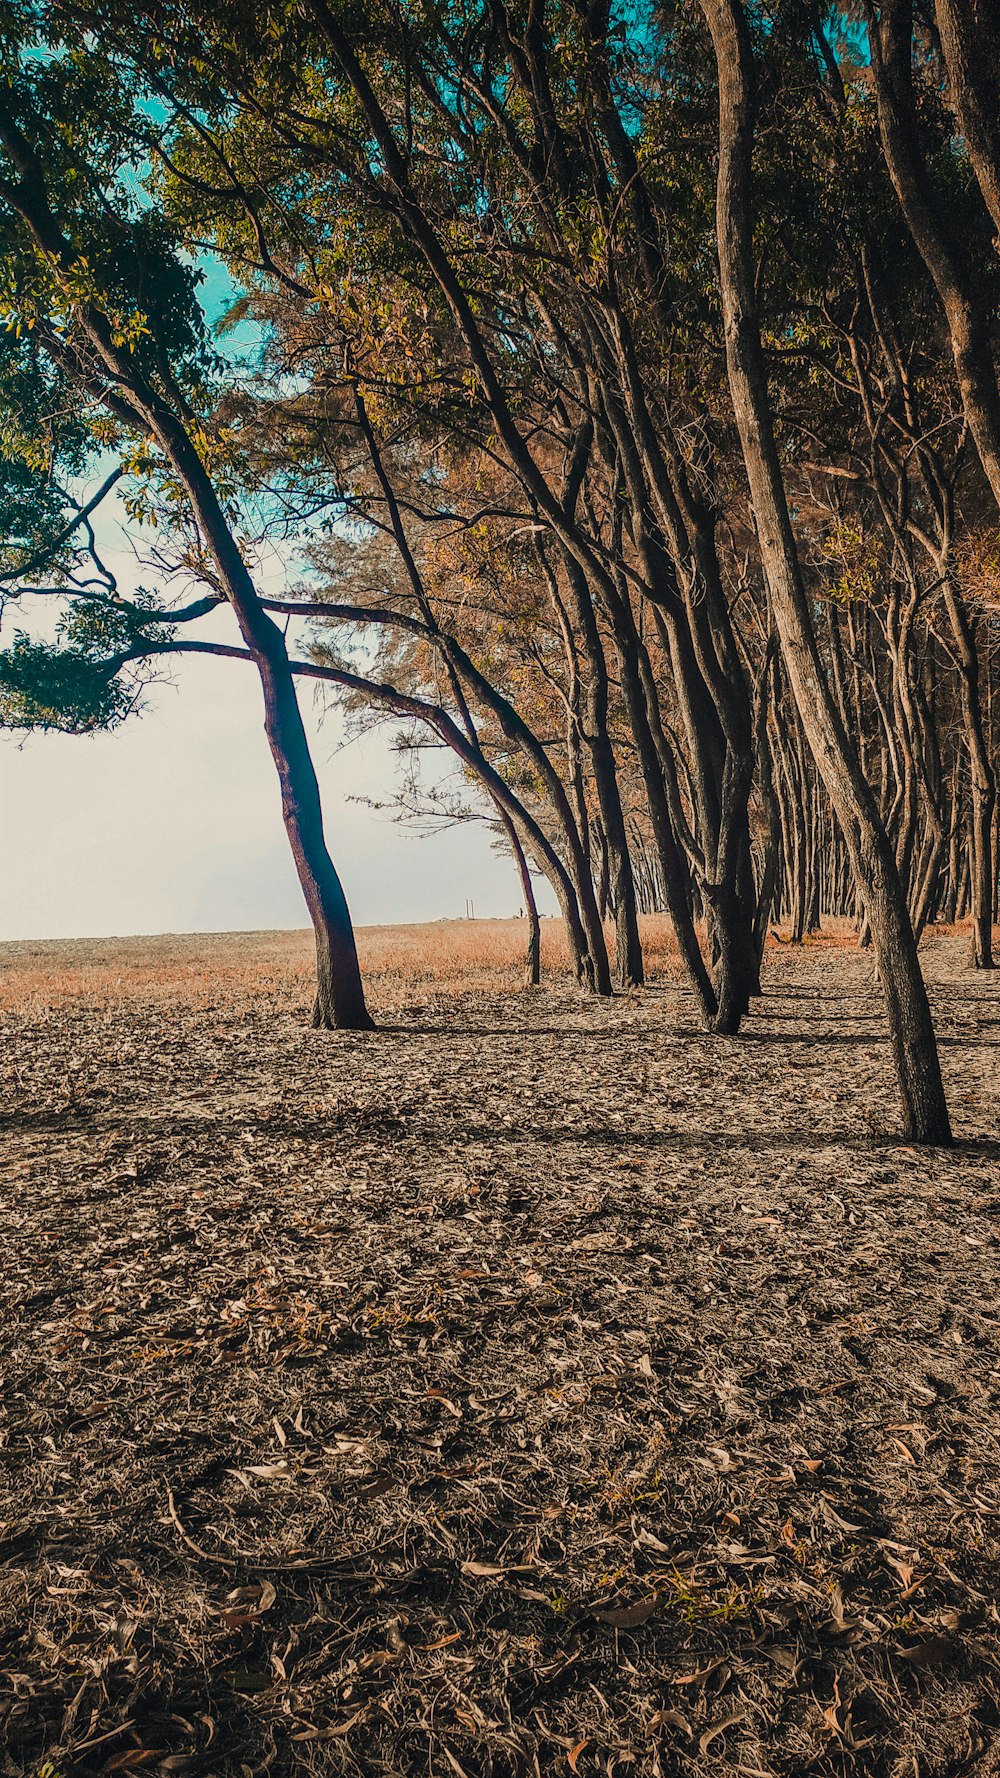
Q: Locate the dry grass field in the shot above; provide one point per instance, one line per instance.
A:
(532, 1386)
(202, 969)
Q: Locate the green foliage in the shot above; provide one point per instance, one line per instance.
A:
(84, 681)
(46, 688)
(45, 438)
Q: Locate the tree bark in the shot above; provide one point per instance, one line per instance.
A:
(925, 1111)
(629, 969)
(982, 774)
(533, 954)
(968, 33)
(968, 318)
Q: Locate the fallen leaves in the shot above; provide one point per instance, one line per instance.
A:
(670, 1719)
(626, 1617)
(205, 1555)
(332, 1732)
(420, 1432)
(247, 1605)
(930, 1651)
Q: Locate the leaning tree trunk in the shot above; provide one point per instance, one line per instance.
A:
(911, 1029)
(967, 310)
(119, 384)
(339, 1001)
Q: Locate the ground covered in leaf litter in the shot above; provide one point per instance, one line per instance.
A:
(529, 1387)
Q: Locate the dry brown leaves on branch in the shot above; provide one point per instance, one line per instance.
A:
(530, 1387)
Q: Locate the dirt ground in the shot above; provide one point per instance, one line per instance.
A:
(530, 1387)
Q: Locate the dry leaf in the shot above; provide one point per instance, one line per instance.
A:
(903, 1569)
(718, 1728)
(670, 1719)
(381, 1485)
(494, 1570)
(627, 1617)
(574, 1754)
(646, 1541)
(831, 1719)
(830, 1716)
(933, 1651)
(446, 1402)
(835, 1518)
(335, 1734)
(702, 1674)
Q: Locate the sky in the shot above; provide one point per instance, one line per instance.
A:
(173, 824)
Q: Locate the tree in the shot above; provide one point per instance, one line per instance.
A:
(918, 1071)
(111, 305)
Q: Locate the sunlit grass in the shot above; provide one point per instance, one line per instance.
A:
(202, 970)
(205, 969)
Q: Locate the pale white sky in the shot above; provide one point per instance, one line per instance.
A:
(173, 824)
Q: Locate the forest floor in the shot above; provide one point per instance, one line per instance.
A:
(532, 1386)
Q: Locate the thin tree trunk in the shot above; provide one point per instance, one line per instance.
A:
(533, 956)
(629, 969)
(982, 774)
(911, 1029)
(968, 313)
(769, 804)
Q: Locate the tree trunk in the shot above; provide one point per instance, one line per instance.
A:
(967, 29)
(769, 804)
(339, 1001)
(629, 970)
(983, 778)
(968, 314)
(911, 1029)
(673, 868)
(533, 955)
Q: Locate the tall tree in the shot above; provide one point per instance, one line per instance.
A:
(109, 302)
(911, 1029)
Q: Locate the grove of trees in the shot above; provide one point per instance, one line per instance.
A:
(622, 387)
